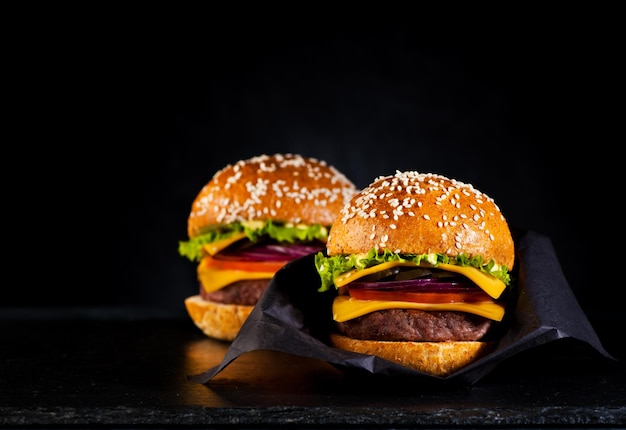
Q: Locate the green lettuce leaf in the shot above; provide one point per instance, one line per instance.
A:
(192, 248)
(329, 268)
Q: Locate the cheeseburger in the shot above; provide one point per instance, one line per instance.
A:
(247, 222)
(421, 265)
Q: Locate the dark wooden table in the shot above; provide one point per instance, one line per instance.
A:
(127, 368)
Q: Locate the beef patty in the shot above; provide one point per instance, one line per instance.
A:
(416, 325)
(238, 293)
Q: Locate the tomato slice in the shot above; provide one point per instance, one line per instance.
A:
(420, 297)
(244, 265)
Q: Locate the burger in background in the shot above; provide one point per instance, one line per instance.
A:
(247, 222)
(421, 265)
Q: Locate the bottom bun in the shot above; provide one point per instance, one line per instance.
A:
(434, 358)
(217, 320)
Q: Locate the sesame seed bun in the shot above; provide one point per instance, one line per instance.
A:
(411, 212)
(288, 188)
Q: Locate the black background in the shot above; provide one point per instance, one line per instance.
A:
(481, 105)
(484, 109)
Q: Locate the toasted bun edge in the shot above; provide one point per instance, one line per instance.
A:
(217, 320)
(435, 358)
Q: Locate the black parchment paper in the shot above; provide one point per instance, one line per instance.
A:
(293, 317)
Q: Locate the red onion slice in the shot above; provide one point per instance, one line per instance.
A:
(269, 252)
(453, 285)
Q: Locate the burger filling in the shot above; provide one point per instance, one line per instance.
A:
(241, 272)
(237, 261)
(216, 238)
(340, 270)
(409, 297)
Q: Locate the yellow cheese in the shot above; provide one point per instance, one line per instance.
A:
(215, 247)
(213, 279)
(490, 284)
(346, 308)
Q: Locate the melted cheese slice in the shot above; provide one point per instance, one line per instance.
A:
(213, 279)
(215, 247)
(346, 308)
(490, 284)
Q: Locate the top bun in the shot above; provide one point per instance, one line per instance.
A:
(416, 213)
(287, 188)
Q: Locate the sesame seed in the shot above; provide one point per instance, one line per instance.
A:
(393, 195)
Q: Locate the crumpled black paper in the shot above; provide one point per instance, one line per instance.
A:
(293, 317)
